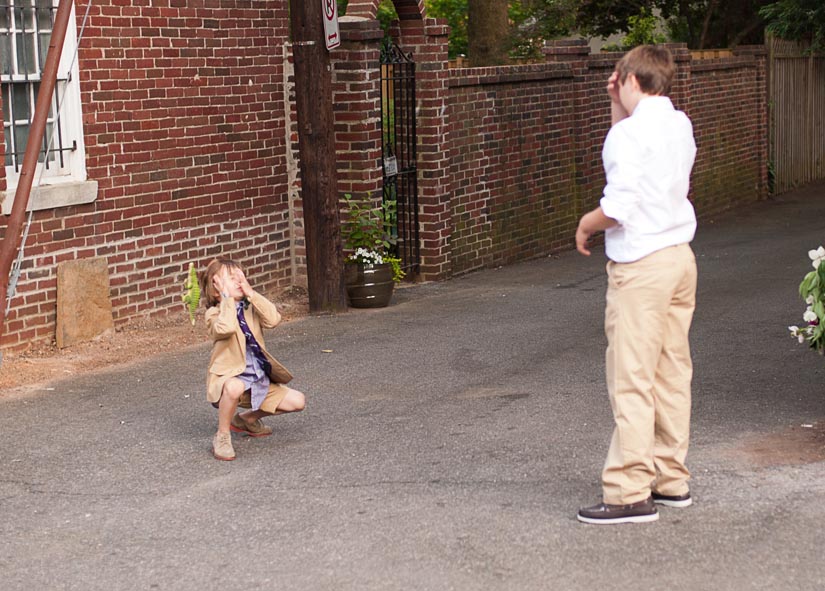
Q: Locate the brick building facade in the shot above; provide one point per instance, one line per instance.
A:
(190, 149)
(183, 108)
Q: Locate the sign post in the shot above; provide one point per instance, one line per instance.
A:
(332, 35)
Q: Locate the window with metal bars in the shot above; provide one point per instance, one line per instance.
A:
(25, 30)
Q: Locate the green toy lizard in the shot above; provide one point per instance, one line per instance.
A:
(192, 296)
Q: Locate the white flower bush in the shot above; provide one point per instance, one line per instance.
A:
(800, 333)
(817, 256)
(369, 231)
(366, 257)
(812, 291)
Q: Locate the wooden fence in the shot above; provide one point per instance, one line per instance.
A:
(797, 111)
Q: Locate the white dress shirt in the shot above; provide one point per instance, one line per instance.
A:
(647, 160)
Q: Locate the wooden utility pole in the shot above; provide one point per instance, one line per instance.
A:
(316, 141)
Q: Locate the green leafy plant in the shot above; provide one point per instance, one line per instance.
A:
(369, 232)
(642, 30)
(456, 12)
(536, 21)
(812, 290)
(797, 20)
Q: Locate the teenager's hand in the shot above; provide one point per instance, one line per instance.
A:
(582, 236)
(591, 222)
(613, 87)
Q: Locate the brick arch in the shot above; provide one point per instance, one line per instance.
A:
(406, 9)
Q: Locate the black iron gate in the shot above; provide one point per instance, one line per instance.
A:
(398, 143)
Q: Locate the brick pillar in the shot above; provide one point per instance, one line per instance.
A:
(356, 91)
(760, 54)
(406, 9)
(427, 41)
(680, 90)
(591, 112)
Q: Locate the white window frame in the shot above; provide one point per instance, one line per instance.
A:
(55, 185)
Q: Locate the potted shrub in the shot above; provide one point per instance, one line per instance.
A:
(371, 271)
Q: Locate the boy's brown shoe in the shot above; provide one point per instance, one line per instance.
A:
(673, 500)
(222, 447)
(640, 512)
(256, 429)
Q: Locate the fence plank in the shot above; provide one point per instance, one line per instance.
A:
(797, 98)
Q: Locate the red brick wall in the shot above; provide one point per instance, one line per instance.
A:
(512, 163)
(728, 108)
(184, 128)
(525, 147)
(426, 40)
(356, 80)
(192, 141)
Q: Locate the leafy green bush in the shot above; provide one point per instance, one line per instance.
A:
(369, 233)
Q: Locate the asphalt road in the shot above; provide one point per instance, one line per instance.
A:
(447, 443)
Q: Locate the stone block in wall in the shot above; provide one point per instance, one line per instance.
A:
(84, 309)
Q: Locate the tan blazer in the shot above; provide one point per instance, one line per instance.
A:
(229, 349)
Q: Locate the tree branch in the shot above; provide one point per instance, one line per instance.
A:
(754, 23)
(706, 25)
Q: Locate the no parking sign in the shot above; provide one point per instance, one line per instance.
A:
(331, 34)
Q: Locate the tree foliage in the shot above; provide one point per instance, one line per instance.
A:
(386, 12)
(643, 30)
(797, 20)
(701, 24)
(535, 21)
(531, 23)
(456, 13)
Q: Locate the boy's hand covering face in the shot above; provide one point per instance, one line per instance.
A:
(613, 87)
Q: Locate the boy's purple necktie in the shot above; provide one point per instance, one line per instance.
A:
(251, 341)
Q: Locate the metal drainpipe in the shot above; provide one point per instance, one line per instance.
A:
(11, 239)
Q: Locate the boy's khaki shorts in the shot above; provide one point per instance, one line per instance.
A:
(276, 395)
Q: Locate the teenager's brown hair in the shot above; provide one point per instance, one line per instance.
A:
(209, 293)
(652, 65)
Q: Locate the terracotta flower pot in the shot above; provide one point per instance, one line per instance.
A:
(369, 286)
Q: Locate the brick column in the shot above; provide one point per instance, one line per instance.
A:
(680, 90)
(760, 54)
(591, 113)
(427, 41)
(356, 89)
(406, 9)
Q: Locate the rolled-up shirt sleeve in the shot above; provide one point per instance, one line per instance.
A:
(624, 171)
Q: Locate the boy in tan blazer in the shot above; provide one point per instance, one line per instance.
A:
(241, 370)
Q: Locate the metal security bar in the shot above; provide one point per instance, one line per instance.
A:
(25, 31)
(398, 142)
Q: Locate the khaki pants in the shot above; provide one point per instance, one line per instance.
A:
(649, 309)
